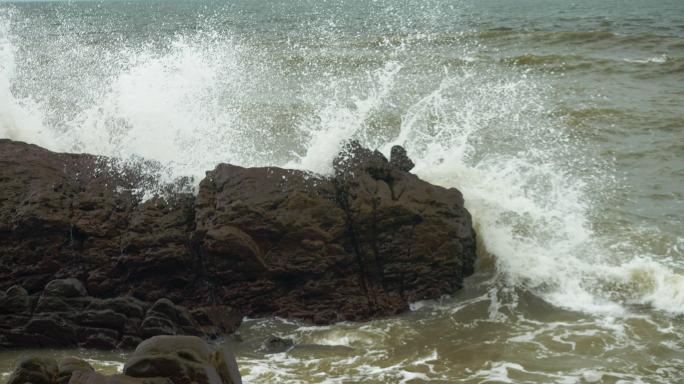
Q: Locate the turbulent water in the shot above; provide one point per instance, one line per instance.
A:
(561, 122)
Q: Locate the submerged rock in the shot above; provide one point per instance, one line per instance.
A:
(94, 259)
(275, 344)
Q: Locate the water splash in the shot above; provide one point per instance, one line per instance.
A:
(20, 118)
(178, 108)
(488, 130)
(336, 121)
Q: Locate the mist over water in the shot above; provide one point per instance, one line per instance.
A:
(561, 124)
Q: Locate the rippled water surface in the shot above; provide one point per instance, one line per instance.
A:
(561, 122)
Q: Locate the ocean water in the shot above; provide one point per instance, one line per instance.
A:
(562, 122)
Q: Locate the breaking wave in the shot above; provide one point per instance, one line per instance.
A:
(203, 98)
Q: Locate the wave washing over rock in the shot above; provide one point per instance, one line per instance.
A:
(252, 242)
(560, 124)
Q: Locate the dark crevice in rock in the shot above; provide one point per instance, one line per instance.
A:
(377, 256)
(342, 200)
(77, 238)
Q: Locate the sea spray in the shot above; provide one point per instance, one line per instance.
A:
(177, 107)
(20, 118)
(337, 121)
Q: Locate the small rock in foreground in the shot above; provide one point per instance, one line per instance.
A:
(158, 360)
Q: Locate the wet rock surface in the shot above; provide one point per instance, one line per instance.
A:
(183, 359)
(64, 315)
(158, 360)
(359, 244)
(275, 344)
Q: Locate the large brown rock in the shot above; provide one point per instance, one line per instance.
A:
(412, 239)
(253, 241)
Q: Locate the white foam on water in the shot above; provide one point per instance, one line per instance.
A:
(117, 366)
(338, 338)
(592, 376)
(662, 59)
(498, 372)
(501, 372)
(273, 368)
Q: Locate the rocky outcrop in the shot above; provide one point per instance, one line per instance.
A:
(158, 360)
(255, 241)
(63, 315)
